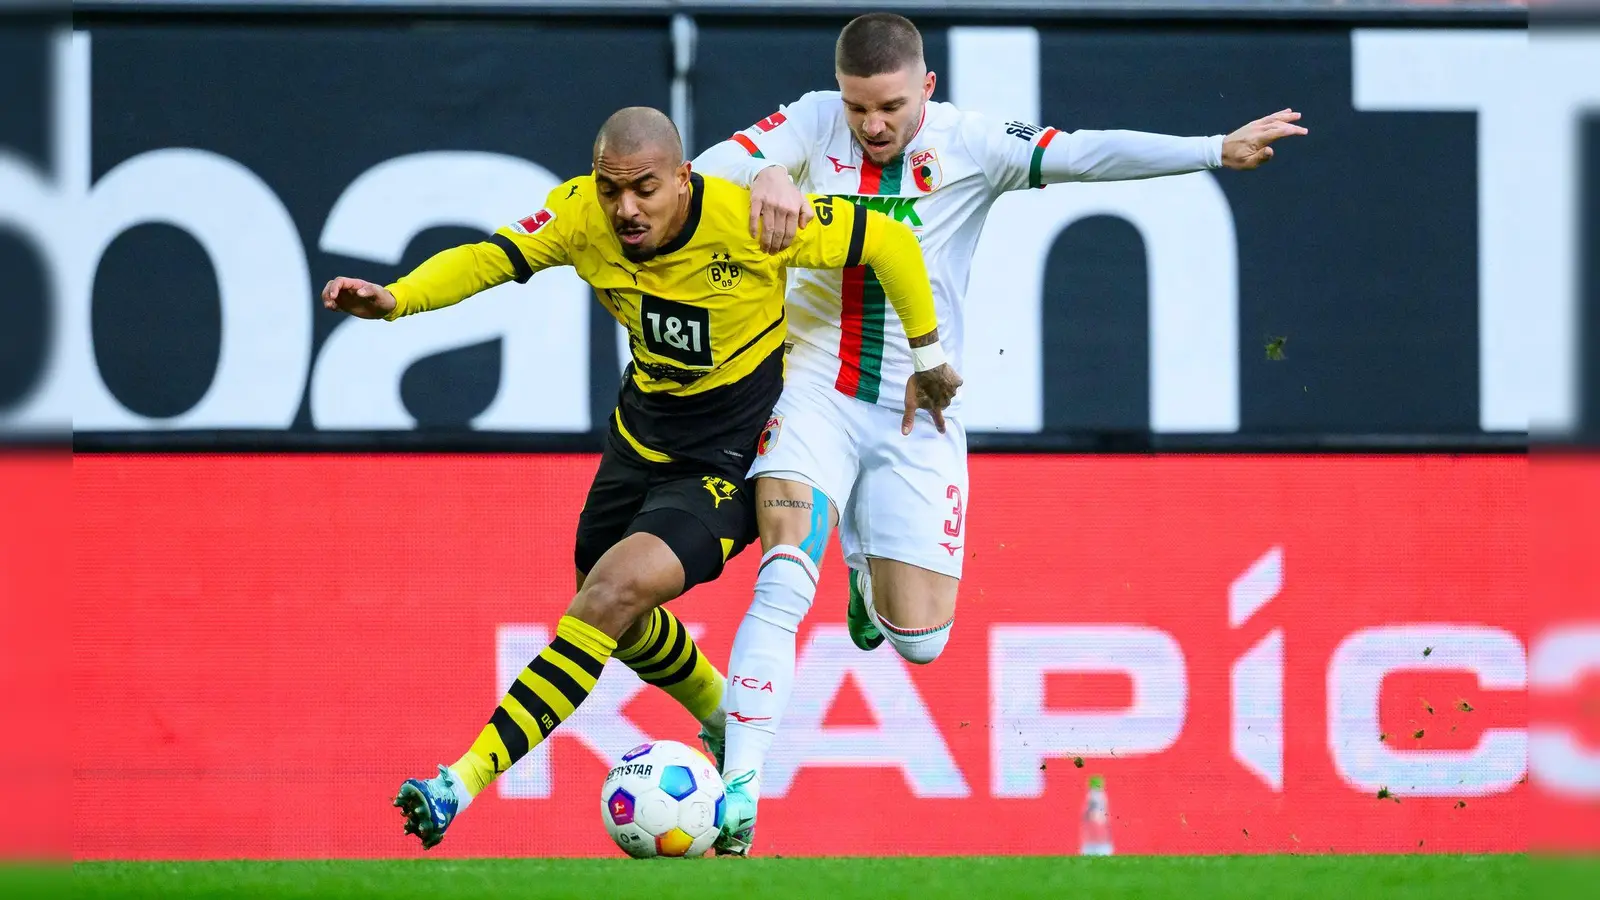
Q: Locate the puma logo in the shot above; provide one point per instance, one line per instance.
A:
(631, 273)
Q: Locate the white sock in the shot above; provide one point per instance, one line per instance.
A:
(761, 666)
(917, 645)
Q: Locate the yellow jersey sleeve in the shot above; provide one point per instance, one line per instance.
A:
(844, 235)
(512, 253)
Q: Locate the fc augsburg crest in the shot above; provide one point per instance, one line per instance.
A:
(723, 273)
(925, 171)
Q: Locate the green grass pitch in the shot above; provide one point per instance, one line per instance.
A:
(1434, 877)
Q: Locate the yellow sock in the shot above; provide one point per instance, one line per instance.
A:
(666, 656)
(544, 694)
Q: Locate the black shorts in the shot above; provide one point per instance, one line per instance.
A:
(706, 516)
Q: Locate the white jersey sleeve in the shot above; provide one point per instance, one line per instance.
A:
(787, 138)
(1019, 155)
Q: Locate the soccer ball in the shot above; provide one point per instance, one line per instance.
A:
(663, 799)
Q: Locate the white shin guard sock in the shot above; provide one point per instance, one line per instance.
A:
(915, 645)
(761, 666)
(921, 645)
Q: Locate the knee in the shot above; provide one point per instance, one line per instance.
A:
(613, 605)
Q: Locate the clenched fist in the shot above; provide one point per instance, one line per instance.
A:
(358, 298)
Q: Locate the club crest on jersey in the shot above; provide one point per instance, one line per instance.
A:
(534, 222)
(769, 435)
(723, 273)
(925, 171)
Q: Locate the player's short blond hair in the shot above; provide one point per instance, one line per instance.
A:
(876, 44)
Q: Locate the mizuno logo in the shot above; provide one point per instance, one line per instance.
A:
(744, 719)
(952, 548)
(838, 166)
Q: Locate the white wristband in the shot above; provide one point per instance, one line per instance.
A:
(928, 356)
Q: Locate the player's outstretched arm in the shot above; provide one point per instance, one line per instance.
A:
(1024, 156)
(512, 253)
(445, 279)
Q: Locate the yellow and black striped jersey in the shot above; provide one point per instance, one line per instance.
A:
(705, 314)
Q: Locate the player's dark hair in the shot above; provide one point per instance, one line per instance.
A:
(635, 128)
(877, 43)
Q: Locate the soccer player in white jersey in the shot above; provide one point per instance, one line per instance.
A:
(839, 449)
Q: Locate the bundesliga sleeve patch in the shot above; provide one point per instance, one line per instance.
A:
(771, 122)
(534, 222)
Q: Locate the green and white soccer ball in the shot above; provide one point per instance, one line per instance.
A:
(663, 799)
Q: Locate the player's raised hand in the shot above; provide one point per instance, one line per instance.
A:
(931, 390)
(358, 298)
(1251, 145)
(777, 209)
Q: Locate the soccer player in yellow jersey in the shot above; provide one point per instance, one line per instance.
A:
(670, 255)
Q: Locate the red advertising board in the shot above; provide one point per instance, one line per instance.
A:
(1249, 649)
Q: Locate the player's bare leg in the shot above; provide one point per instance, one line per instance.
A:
(634, 576)
(794, 519)
(911, 606)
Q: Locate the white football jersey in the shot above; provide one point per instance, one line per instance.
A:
(844, 332)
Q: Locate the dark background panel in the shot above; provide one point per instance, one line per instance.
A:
(25, 75)
(309, 108)
(1588, 262)
(1363, 257)
(25, 88)
(1096, 321)
(157, 358)
(25, 308)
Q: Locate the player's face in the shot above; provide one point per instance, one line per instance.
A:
(646, 197)
(884, 111)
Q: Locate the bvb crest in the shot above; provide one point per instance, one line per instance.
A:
(723, 273)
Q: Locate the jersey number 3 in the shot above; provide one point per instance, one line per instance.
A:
(676, 331)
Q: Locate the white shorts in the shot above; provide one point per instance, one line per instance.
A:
(900, 497)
